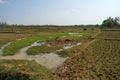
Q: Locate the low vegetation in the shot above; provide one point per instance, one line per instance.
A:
(98, 58)
(23, 70)
(17, 45)
(69, 52)
(100, 61)
(47, 35)
(110, 34)
(2, 43)
(42, 49)
(8, 75)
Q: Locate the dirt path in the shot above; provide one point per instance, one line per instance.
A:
(87, 44)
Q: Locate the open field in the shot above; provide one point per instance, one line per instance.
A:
(55, 38)
(81, 54)
(48, 34)
(59, 40)
(99, 61)
(23, 70)
(110, 34)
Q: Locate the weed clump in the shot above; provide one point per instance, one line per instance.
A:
(8, 75)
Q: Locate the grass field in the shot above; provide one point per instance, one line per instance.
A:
(97, 58)
(17, 45)
(2, 43)
(49, 34)
(42, 49)
(23, 70)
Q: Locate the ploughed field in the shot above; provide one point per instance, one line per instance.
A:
(99, 61)
(59, 53)
(110, 34)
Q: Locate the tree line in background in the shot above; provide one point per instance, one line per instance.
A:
(107, 23)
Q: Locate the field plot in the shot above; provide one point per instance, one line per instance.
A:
(59, 40)
(49, 47)
(64, 53)
(47, 35)
(110, 34)
(99, 61)
(23, 70)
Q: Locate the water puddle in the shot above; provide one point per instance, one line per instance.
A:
(1, 49)
(20, 39)
(75, 34)
(21, 54)
(49, 60)
(23, 50)
(68, 47)
(78, 35)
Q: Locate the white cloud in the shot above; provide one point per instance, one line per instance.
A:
(3, 1)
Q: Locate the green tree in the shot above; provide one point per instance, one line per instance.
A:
(111, 22)
(3, 23)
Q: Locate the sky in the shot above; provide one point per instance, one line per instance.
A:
(58, 12)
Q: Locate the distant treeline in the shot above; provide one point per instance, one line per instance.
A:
(107, 23)
(7, 25)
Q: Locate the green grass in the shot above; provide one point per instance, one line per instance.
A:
(42, 49)
(23, 68)
(14, 47)
(2, 43)
(33, 34)
(69, 52)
